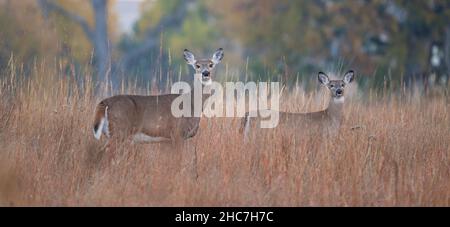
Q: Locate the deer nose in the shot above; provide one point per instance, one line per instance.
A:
(205, 74)
(339, 91)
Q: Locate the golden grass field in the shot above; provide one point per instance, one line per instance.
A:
(392, 151)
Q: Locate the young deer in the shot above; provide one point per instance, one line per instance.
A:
(149, 118)
(325, 121)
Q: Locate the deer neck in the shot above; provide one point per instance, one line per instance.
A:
(196, 94)
(335, 108)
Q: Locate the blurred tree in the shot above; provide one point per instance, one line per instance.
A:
(24, 34)
(172, 25)
(385, 38)
(95, 31)
(389, 39)
(275, 34)
(427, 23)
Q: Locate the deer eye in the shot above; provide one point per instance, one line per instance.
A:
(332, 85)
(211, 65)
(197, 66)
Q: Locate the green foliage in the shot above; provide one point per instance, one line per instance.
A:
(152, 13)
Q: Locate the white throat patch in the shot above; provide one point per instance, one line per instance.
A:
(339, 100)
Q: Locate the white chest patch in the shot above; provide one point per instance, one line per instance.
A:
(143, 138)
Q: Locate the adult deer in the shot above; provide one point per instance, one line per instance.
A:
(149, 118)
(325, 121)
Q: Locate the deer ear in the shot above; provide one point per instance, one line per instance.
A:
(189, 57)
(348, 78)
(323, 78)
(217, 56)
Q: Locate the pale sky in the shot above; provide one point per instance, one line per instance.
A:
(127, 12)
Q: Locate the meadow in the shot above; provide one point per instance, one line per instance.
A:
(392, 150)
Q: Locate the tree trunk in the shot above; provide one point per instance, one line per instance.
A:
(412, 65)
(102, 53)
(447, 51)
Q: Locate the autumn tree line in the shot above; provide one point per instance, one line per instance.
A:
(389, 42)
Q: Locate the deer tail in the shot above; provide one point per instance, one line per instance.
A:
(100, 120)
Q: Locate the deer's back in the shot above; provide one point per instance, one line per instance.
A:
(299, 124)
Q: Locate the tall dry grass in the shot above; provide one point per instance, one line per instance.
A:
(390, 152)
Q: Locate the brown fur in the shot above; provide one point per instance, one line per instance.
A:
(131, 114)
(301, 124)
